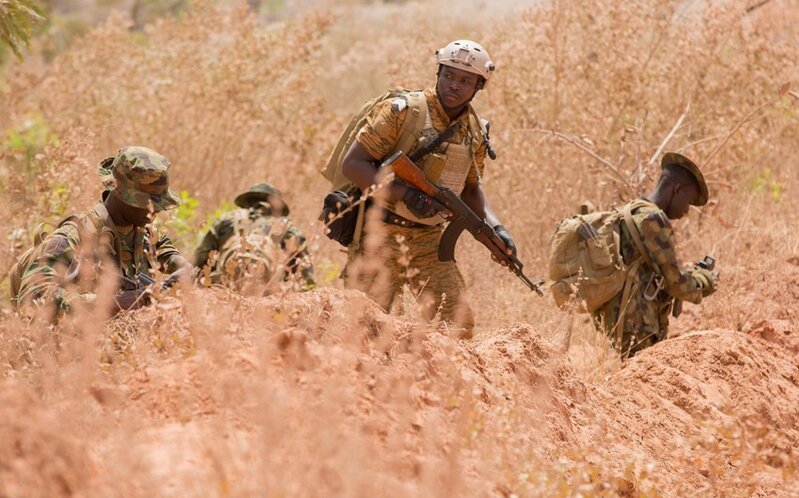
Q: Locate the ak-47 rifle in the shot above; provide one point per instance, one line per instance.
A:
(143, 281)
(460, 218)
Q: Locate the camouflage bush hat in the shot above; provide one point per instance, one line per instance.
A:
(675, 159)
(263, 192)
(139, 177)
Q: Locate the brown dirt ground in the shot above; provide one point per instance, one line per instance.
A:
(322, 394)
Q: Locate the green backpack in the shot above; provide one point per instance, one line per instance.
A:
(411, 130)
(343, 223)
(585, 262)
(17, 271)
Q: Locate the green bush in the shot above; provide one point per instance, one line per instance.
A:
(17, 20)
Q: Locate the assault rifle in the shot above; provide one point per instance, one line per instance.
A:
(143, 280)
(707, 263)
(460, 218)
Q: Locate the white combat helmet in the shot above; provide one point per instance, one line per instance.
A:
(468, 56)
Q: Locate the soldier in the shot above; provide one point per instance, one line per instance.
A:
(411, 221)
(114, 236)
(258, 234)
(641, 318)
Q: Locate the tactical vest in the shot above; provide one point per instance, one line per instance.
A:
(449, 166)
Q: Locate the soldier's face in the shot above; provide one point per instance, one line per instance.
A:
(681, 199)
(455, 87)
(137, 216)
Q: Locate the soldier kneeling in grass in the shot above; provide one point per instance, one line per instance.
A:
(115, 237)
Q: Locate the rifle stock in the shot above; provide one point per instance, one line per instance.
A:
(461, 218)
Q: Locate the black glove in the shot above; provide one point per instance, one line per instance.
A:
(503, 234)
(420, 204)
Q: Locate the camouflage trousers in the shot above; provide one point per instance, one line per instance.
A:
(643, 324)
(392, 257)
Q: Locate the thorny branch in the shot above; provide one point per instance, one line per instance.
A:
(577, 143)
(670, 135)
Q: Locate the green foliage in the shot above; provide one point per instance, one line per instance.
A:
(765, 183)
(327, 272)
(26, 143)
(17, 20)
(31, 137)
(181, 224)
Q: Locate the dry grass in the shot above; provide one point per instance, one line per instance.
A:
(584, 98)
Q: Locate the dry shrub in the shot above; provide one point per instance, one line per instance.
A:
(323, 394)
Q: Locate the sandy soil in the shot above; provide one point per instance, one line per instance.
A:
(323, 395)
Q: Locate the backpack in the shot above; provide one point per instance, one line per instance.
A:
(249, 261)
(41, 233)
(585, 261)
(344, 223)
(17, 271)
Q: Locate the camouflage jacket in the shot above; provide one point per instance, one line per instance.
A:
(66, 265)
(242, 222)
(646, 317)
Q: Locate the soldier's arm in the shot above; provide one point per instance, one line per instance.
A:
(657, 236)
(295, 244)
(168, 257)
(209, 243)
(47, 279)
(374, 141)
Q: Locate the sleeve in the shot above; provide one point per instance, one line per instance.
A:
(295, 245)
(213, 240)
(168, 257)
(382, 129)
(209, 243)
(46, 279)
(657, 236)
(477, 169)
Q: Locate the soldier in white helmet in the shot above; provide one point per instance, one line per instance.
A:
(412, 223)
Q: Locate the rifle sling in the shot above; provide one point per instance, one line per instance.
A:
(428, 148)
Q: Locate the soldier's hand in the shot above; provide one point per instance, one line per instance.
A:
(185, 274)
(421, 204)
(132, 299)
(506, 240)
(708, 280)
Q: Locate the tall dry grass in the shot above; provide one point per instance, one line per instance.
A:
(585, 96)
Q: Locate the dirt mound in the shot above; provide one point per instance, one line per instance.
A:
(325, 395)
(782, 332)
(720, 406)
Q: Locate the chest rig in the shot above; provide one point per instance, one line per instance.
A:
(447, 167)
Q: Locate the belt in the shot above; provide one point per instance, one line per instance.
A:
(395, 219)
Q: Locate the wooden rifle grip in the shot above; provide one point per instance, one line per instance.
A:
(404, 169)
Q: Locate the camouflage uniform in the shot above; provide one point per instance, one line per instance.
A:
(226, 232)
(404, 255)
(59, 269)
(260, 226)
(646, 319)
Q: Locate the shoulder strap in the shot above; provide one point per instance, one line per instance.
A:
(430, 147)
(414, 122)
(476, 125)
(632, 228)
(102, 214)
